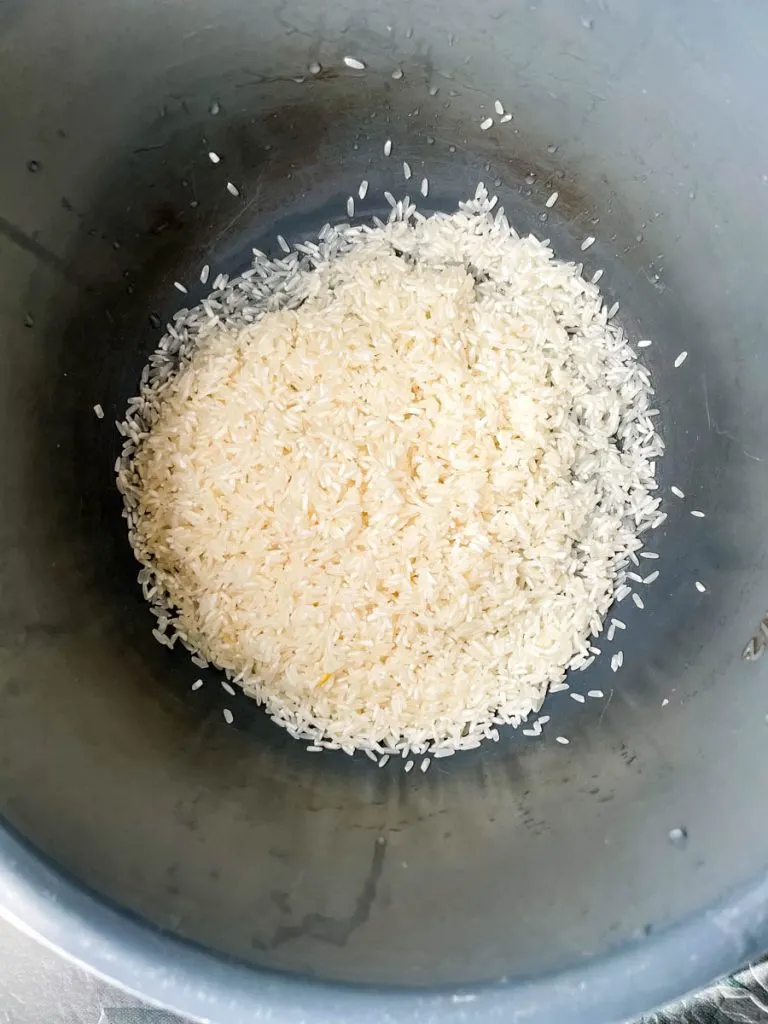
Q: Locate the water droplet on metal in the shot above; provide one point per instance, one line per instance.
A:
(530, 178)
(543, 217)
(587, 23)
(33, 166)
(314, 68)
(215, 108)
(552, 149)
(397, 74)
(638, 238)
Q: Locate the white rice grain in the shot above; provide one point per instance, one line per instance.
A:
(680, 359)
(375, 440)
(677, 492)
(354, 63)
(552, 200)
(486, 124)
(99, 412)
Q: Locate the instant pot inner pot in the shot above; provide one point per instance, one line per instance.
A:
(517, 859)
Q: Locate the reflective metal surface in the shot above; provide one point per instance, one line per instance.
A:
(228, 867)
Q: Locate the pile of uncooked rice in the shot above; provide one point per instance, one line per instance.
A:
(390, 482)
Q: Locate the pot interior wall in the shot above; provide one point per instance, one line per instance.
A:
(514, 860)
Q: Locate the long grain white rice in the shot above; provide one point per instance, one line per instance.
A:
(387, 481)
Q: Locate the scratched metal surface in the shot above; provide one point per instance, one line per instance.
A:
(39, 987)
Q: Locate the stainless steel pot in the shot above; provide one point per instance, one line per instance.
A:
(225, 871)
